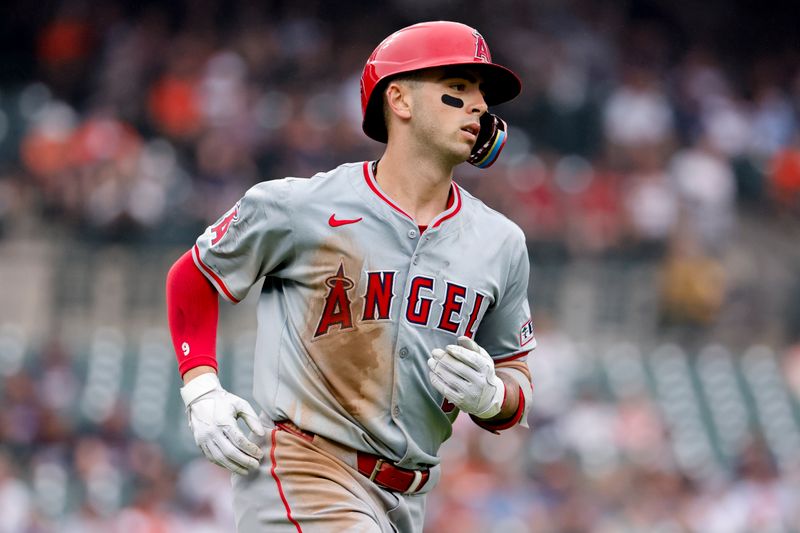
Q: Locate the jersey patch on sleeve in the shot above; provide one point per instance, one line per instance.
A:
(526, 333)
(221, 228)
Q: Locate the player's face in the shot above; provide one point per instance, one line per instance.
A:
(448, 111)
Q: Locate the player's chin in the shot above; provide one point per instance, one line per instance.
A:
(465, 150)
(460, 149)
(464, 147)
(456, 157)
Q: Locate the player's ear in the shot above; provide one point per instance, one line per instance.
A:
(398, 100)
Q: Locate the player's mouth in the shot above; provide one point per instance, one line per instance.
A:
(473, 129)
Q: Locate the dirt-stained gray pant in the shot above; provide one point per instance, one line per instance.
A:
(313, 486)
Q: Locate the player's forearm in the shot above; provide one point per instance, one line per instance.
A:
(192, 373)
(192, 312)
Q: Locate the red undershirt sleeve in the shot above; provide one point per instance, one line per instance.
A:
(192, 313)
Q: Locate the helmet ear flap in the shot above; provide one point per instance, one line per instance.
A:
(491, 140)
(374, 123)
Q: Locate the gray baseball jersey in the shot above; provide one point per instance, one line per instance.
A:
(355, 297)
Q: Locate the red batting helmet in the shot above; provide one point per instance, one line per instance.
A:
(427, 45)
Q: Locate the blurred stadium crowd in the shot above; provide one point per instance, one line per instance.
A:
(653, 162)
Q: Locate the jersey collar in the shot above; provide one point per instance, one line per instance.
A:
(453, 201)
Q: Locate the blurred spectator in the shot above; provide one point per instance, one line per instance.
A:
(21, 413)
(637, 114)
(538, 205)
(706, 187)
(148, 513)
(174, 100)
(651, 204)
(86, 520)
(693, 286)
(64, 47)
(592, 205)
(791, 367)
(15, 498)
(205, 489)
(774, 122)
(784, 177)
(58, 385)
(45, 150)
(639, 432)
(757, 501)
(702, 86)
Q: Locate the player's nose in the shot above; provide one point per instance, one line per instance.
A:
(478, 102)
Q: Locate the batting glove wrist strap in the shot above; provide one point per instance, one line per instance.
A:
(199, 386)
(496, 403)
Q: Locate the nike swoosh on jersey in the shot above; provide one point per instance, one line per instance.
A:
(335, 223)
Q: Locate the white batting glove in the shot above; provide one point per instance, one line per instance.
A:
(212, 418)
(464, 374)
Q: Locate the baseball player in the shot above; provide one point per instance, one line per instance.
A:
(392, 300)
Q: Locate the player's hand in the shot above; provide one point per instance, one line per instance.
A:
(212, 418)
(464, 374)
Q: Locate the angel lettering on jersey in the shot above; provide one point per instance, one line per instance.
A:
(458, 305)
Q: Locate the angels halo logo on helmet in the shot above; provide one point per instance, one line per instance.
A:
(481, 48)
(428, 45)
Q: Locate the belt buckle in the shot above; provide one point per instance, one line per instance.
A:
(376, 469)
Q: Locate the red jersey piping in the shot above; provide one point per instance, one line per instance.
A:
(453, 207)
(216, 280)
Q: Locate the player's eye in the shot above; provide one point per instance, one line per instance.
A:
(458, 86)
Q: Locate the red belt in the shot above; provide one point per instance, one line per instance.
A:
(389, 476)
(376, 468)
